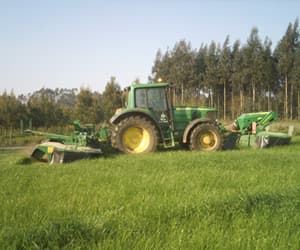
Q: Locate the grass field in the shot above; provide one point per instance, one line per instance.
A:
(240, 199)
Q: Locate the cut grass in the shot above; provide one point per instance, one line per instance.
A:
(240, 199)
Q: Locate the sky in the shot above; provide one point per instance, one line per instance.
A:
(82, 43)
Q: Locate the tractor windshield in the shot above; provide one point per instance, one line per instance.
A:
(151, 98)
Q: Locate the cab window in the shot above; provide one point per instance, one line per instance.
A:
(140, 98)
(152, 98)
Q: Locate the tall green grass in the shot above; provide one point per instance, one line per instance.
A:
(240, 199)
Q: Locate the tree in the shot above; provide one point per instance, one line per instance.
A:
(211, 77)
(98, 113)
(112, 98)
(285, 53)
(44, 111)
(11, 110)
(253, 64)
(84, 107)
(269, 74)
(176, 67)
(237, 77)
(182, 73)
(295, 78)
(200, 69)
(225, 71)
(162, 67)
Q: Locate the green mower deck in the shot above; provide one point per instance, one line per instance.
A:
(264, 140)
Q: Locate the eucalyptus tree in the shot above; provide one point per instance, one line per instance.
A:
(84, 106)
(176, 67)
(98, 110)
(237, 85)
(11, 110)
(200, 69)
(295, 79)
(285, 55)
(111, 98)
(269, 84)
(225, 71)
(211, 76)
(43, 109)
(161, 67)
(182, 70)
(253, 65)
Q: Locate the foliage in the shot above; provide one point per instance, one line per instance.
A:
(285, 56)
(10, 110)
(44, 111)
(59, 107)
(165, 200)
(112, 98)
(88, 107)
(253, 76)
(177, 68)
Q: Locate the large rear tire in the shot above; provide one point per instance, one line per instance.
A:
(135, 135)
(206, 137)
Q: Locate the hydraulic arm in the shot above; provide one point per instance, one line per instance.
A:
(252, 123)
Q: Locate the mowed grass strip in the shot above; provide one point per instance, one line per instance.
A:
(240, 199)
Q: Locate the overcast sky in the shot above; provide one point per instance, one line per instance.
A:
(69, 44)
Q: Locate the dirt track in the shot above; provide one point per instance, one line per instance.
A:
(12, 148)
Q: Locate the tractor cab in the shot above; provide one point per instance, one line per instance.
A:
(150, 99)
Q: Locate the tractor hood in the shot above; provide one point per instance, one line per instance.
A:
(194, 112)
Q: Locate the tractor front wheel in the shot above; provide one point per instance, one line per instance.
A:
(206, 137)
(135, 135)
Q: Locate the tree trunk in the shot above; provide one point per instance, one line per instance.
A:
(218, 102)
(211, 98)
(253, 97)
(182, 92)
(286, 98)
(232, 105)
(298, 101)
(224, 92)
(241, 101)
(269, 97)
(10, 135)
(174, 96)
(259, 103)
(291, 103)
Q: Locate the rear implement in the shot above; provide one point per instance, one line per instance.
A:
(84, 143)
(250, 129)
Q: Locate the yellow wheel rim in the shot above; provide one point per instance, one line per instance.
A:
(207, 140)
(136, 139)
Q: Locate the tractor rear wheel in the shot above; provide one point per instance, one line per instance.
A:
(206, 137)
(135, 135)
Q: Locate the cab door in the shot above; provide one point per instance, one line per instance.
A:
(154, 99)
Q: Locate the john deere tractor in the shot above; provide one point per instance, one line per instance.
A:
(149, 118)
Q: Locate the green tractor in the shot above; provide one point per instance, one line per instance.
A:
(149, 118)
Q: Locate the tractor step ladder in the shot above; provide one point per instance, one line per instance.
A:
(168, 139)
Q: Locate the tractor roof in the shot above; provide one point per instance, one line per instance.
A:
(149, 85)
